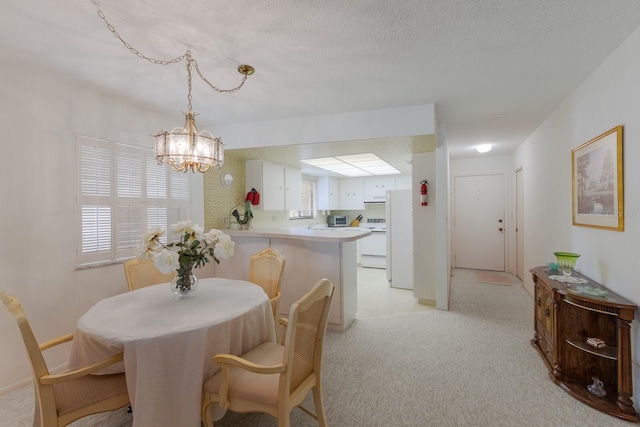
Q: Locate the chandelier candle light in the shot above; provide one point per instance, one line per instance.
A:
(193, 247)
(186, 148)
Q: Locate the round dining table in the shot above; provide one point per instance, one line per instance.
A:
(168, 342)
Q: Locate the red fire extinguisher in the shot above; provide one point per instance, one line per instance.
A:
(424, 193)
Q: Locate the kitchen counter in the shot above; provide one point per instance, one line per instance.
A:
(325, 234)
(311, 255)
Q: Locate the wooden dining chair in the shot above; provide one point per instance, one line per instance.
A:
(265, 269)
(274, 378)
(141, 273)
(66, 397)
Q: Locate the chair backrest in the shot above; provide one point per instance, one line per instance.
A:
(265, 269)
(306, 329)
(143, 272)
(38, 363)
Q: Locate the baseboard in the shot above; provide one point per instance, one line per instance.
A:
(429, 302)
(15, 386)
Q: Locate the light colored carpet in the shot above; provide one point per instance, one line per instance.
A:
(494, 278)
(470, 366)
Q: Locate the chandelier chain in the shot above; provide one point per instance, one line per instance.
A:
(187, 57)
(136, 51)
(188, 61)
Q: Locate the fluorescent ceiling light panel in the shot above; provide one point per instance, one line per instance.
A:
(364, 164)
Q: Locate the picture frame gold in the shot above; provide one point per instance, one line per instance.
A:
(597, 182)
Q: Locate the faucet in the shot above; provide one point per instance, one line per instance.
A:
(312, 225)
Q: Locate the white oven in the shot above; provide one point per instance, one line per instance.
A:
(373, 248)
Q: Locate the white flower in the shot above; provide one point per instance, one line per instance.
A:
(152, 234)
(213, 236)
(166, 261)
(149, 243)
(224, 248)
(182, 227)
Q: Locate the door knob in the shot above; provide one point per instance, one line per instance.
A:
(500, 229)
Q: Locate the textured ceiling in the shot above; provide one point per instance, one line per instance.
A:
(471, 58)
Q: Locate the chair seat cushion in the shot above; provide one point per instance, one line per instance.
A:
(88, 390)
(245, 385)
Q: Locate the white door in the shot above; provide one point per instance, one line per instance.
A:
(479, 222)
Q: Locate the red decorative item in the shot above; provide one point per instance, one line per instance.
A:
(253, 196)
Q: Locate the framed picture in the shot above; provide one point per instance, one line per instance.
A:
(597, 191)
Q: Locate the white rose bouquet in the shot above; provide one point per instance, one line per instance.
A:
(193, 250)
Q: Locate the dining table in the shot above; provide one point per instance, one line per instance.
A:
(168, 342)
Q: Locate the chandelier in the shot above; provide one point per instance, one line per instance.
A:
(186, 148)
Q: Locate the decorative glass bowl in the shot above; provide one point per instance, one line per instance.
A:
(566, 261)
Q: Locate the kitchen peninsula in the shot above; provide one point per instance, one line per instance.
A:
(311, 255)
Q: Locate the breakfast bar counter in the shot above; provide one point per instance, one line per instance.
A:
(325, 234)
(311, 255)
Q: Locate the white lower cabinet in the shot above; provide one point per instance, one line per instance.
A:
(373, 250)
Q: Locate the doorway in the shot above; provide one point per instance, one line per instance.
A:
(479, 222)
(520, 224)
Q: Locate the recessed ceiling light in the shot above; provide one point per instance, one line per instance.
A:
(354, 165)
(483, 148)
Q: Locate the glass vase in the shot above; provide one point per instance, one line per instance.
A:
(566, 261)
(184, 283)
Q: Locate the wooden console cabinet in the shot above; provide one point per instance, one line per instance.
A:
(564, 319)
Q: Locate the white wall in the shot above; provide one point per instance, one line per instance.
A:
(610, 96)
(382, 123)
(40, 115)
(423, 166)
(443, 225)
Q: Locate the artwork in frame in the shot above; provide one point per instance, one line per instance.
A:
(597, 182)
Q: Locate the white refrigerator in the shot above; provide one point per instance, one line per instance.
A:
(399, 214)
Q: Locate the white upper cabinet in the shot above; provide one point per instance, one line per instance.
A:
(351, 194)
(292, 189)
(376, 187)
(328, 193)
(269, 180)
(403, 182)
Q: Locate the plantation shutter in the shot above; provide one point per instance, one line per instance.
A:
(94, 182)
(129, 207)
(180, 200)
(122, 191)
(157, 203)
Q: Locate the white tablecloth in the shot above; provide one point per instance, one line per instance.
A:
(168, 343)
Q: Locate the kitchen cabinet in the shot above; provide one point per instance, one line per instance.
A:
(351, 194)
(375, 188)
(564, 318)
(403, 182)
(292, 189)
(328, 193)
(274, 181)
(373, 250)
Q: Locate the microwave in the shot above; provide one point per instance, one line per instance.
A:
(338, 220)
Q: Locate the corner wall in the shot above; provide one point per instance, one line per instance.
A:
(41, 114)
(610, 96)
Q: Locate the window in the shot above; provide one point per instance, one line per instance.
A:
(308, 201)
(122, 191)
